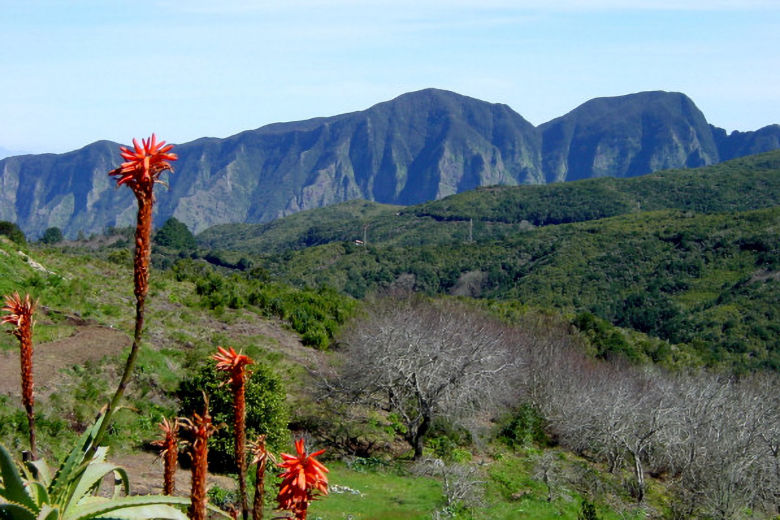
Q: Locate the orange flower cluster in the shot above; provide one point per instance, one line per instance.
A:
(169, 453)
(19, 315)
(235, 365)
(144, 164)
(201, 429)
(304, 476)
(232, 362)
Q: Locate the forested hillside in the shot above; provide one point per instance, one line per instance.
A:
(682, 256)
(738, 185)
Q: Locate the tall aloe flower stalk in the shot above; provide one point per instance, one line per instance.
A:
(260, 458)
(140, 171)
(201, 428)
(169, 453)
(19, 315)
(303, 479)
(235, 365)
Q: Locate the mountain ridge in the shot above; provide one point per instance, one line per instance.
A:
(417, 147)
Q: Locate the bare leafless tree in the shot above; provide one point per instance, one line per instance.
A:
(422, 360)
(721, 445)
(462, 484)
(715, 436)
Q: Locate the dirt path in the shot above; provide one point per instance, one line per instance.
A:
(146, 475)
(88, 343)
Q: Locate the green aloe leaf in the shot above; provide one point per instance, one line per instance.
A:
(14, 511)
(13, 485)
(40, 494)
(130, 508)
(75, 460)
(42, 471)
(121, 484)
(48, 512)
(88, 480)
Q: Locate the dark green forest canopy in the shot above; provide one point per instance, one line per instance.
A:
(708, 280)
(175, 234)
(742, 184)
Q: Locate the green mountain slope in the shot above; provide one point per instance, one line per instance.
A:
(712, 281)
(308, 228)
(751, 182)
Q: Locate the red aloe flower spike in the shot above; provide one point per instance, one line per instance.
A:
(201, 429)
(141, 169)
(304, 476)
(233, 362)
(235, 365)
(20, 312)
(260, 457)
(169, 453)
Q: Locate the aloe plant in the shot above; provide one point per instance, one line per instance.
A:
(35, 492)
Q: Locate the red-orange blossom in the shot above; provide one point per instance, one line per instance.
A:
(20, 312)
(235, 365)
(303, 476)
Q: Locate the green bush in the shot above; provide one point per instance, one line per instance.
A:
(52, 235)
(587, 511)
(175, 235)
(265, 409)
(13, 232)
(120, 257)
(525, 426)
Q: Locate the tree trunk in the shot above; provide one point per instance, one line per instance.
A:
(640, 477)
(419, 436)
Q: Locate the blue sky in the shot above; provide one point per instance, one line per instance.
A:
(75, 72)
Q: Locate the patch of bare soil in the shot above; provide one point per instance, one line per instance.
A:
(146, 475)
(89, 342)
(287, 343)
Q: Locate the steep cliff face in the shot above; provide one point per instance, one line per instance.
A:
(71, 191)
(738, 144)
(420, 146)
(627, 136)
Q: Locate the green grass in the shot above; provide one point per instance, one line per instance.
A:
(512, 491)
(384, 496)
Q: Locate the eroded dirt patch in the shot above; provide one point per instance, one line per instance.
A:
(146, 475)
(88, 343)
